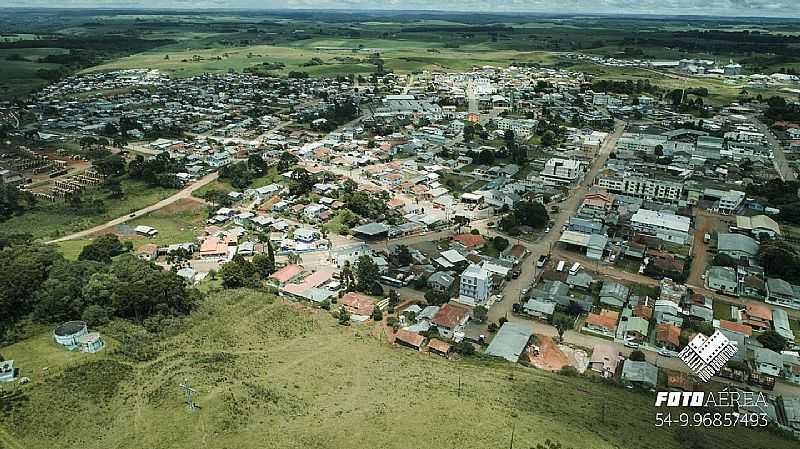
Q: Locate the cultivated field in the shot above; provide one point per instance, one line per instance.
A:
(275, 375)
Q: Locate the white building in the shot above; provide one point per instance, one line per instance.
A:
(562, 171)
(475, 285)
(663, 225)
(651, 189)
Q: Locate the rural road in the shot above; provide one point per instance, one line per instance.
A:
(183, 194)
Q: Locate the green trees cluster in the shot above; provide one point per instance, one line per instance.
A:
(780, 261)
(159, 171)
(104, 248)
(36, 281)
(366, 205)
(241, 272)
(525, 213)
(241, 174)
(14, 201)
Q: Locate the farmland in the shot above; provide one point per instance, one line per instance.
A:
(272, 374)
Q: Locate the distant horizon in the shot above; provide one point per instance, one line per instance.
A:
(726, 9)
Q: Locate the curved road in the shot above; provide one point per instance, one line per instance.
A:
(185, 193)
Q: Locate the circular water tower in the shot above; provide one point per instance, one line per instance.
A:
(67, 334)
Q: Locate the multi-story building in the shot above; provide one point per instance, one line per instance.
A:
(651, 189)
(562, 171)
(475, 285)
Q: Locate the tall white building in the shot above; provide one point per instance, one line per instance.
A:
(475, 285)
(562, 171)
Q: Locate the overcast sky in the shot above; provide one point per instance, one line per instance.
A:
(773, 8)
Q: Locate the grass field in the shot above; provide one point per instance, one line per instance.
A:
(50, 220)
(272, 375)
(19, 77)
(399, 56)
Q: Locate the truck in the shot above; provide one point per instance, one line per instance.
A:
(706, 238)
(560, 266)
(575, 267)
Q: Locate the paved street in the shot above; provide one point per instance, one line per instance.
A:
(779, 158)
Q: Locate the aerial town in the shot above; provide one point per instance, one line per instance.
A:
(517, 214)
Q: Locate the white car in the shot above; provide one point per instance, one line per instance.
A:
(665, 353)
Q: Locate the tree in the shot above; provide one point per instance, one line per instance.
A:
(13, 201)
(103, 248)
(95, 315)
(344, 316)
(367, 275)
(562, 323)
(394, 298)
(403, 256)
(525, 213)
(469, 133)
(480, 314)
(377, 315)
(237, 273)
(263, 265)
(435, 298)
(500, 243)
(111, 165)
(464, 348)
(549, 138)
(637, 356)
(772, 340)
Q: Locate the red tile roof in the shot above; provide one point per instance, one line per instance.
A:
(439, 346)
(736, 327)
(286, 273)
(760, 311)
(358, 303)
(668, 333)
(470, 240)
(409, 337)
(606, 318)
(449, 316)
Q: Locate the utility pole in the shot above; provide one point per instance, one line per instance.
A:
(190, 392)
(459, 384)
(513, 427)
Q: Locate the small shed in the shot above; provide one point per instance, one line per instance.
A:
(90, 342)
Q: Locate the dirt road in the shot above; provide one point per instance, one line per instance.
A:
(185, 193)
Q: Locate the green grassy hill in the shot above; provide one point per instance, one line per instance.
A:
(275, 375)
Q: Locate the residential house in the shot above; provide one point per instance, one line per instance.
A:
(757, 316)
(604, 360)
(538, 308)
(722, 279)
(410, 339)
(439, 347)
(450, 320)
(285, 275)
(441, 281)
(780, 322)
(148, 252)
(767, 362)
(668, 336)
(636, 329)
(357, 304)
(640, 373)
(613, 294)
(604, 323)
(783, 293)
(510, 341)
